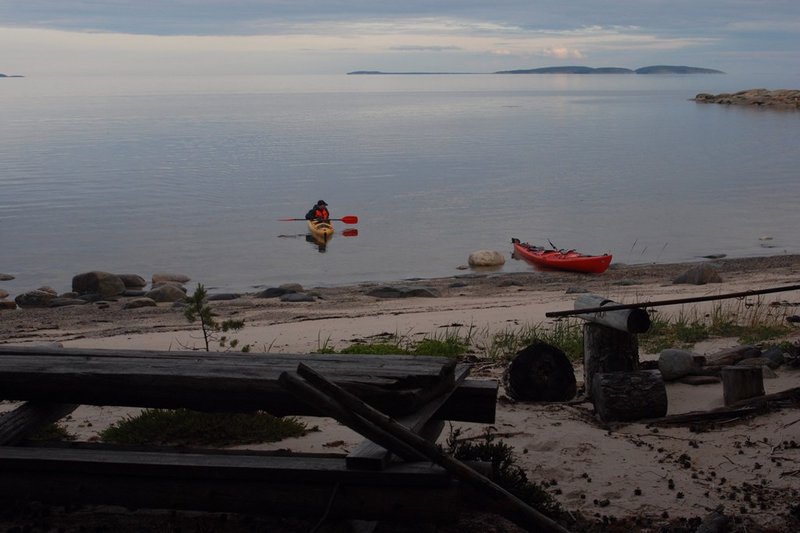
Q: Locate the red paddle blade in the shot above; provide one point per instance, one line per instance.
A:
(350, 219)
(350, 232)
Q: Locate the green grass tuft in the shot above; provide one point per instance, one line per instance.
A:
(183, 427)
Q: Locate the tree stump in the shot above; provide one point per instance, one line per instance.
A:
(741, 382)
(606, 349)
(628, 396)
(540, 372)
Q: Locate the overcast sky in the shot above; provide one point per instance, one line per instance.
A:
(336, 36)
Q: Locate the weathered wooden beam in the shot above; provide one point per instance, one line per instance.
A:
(380, 424)
(285, 486)
(398, 385)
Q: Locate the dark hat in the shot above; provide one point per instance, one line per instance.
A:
(321, 202)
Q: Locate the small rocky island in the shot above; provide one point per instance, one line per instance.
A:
(781, 98)
(653, 69)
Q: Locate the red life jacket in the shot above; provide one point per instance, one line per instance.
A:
(322, 212)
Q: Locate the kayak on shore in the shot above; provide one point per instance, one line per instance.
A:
(561, 259)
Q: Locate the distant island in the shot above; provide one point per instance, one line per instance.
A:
(10, 75)
(654, 69)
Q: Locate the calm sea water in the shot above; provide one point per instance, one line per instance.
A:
(192, 175)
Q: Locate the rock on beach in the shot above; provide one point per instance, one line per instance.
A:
(486, 258)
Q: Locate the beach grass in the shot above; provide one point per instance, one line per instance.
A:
(748, 321)
(183, 427)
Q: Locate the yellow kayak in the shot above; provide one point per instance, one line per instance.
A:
(321, 231)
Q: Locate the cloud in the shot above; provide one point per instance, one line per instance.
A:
(563, 53)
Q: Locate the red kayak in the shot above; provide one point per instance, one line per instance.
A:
(562, 259)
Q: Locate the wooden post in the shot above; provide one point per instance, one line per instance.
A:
(741, 382)
(606, 349)
(626, 396)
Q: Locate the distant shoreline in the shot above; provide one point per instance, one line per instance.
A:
(653, 69)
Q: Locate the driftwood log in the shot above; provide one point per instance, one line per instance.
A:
(606, 349)
(540, 372)
(731, 356)
(627, 396)
(741, 382)
(741, 409)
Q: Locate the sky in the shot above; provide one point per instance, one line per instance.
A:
(231, 37)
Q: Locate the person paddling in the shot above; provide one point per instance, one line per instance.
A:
(319, 212)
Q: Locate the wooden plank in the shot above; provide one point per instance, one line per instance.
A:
(372, 456)
(281, 362)
(475, 400)
(235, 383)
(235, 483)
(397, 385)
(28, 418)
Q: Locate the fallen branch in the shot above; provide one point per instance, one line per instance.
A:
(742, 409)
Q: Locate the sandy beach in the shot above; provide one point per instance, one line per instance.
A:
(627, 472)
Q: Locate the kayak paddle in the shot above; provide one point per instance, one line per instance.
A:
(348, 219)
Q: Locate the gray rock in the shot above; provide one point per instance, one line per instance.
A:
(6, 277)
(675, 364)
(699, 275)
(6, 305)
(292, 287)
(403, 292)
(3, 294)
(297, 297)
(272, 292)
(175, 284)
(776, 355)
(130, 293)
(36, 298)
(132, 281)
(137, 303)
(66, 302)
(103, 283)
(161, 277)
(458, 285)
(223, 296)
(486, 258)
(510, 283)
(166, 293)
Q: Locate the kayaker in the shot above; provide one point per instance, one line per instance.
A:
(319, 212)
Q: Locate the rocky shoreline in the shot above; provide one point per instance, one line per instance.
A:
(90, 312)
(780, 99)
